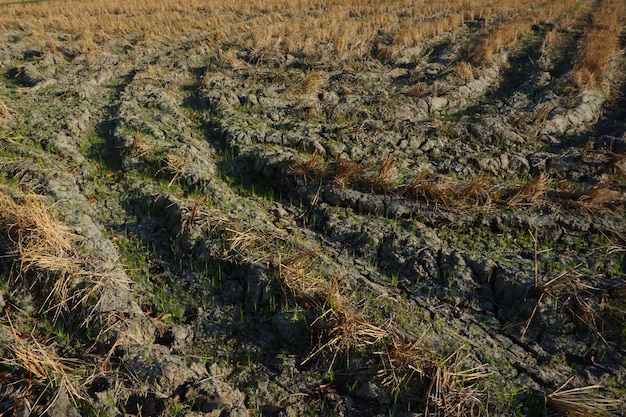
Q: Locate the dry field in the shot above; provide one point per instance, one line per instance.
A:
(332, 31)
(335, 31)
(335, 208)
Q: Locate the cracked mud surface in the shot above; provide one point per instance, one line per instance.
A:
(244, 207)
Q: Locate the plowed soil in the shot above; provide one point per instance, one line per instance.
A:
(312, 209)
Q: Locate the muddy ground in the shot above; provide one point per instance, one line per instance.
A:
(282, 236)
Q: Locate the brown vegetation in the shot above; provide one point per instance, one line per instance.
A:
(42, 363)
(450, 389)
(41, 242)
(509, 30)
(5, 111)
(381, 178)
(44, 257)
(173, 165)
(532, 192)
(600, 42)
(345, 28)
(581, 401)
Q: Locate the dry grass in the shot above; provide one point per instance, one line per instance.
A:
(449, 388)
(139, 147)
(570, 283)
(540, 117)
(311, 84)
(344, 329)
(412, 35)
(506, 34)
(433, 188)
(367, 175)
(6, 113)
(477, 188)
(583, 401)
(582, 311)
(311, 169)
(532, 193)
(618, 163)
(344, 29)
(240, 241)
(41, 241)
(43, 247)
(420, 89)
(465, 71)
(174, 166)
(296, 283)
(565, 25)
(598, 197)
(382, 178)
(385, 179)
(196, 213)
(228, 59)
(404, 361)
(450, 392)
(42, 363)
(601, 41)
(347, 173)
(45, 257)
(339, 327)
(444, 190)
